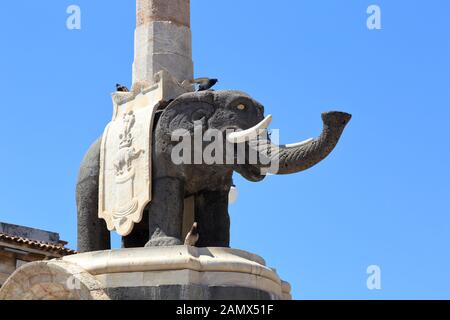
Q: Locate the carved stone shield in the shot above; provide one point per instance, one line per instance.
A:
(125, 162)
(125, 185)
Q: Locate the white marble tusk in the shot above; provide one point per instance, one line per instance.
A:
(233, 195)
(298, 144)
(242, 136)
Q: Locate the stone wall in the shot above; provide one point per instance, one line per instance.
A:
(7, 266)
(12, 259)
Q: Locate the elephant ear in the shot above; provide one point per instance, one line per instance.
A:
(185, 112)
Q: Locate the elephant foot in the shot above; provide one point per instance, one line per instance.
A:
(163, 242)
(160, 239)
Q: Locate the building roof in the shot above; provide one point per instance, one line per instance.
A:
(29, 233)
(57, 248)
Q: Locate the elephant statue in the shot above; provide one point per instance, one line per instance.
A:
(209, 184)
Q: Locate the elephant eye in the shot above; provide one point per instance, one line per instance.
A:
(241, 107)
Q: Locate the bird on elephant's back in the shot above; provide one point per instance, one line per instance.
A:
(236, 120)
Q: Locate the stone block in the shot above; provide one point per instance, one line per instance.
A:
(51, 280)
(162, 46)
(177, 11)
(153, 273)
(7, 264)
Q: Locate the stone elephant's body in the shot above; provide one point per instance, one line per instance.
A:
(209, 184)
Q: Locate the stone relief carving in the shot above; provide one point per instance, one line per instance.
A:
(127, 204)
(125, 171)
(127, 153)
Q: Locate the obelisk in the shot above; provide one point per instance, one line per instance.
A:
(163, 40)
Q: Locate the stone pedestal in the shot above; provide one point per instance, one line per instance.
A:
(159, 273)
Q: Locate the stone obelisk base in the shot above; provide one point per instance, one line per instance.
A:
(159, 273)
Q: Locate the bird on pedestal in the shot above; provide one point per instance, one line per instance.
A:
(192, 236)
(121, 88)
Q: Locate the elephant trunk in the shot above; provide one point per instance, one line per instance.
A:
(300, 157)
(287, 159)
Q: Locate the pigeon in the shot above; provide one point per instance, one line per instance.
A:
(121, 88)
(203, 83)
(192, 236)
(206, 84)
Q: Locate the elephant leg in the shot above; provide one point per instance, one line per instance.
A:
(211, 215)
(139, 236)
(166, 212)
(93, 234)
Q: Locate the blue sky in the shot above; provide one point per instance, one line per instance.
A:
(381, 198)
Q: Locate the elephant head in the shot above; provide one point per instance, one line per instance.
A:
(241, 120)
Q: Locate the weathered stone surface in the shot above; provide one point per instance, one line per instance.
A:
(173, 258)
(52, 280)
(176, 11)
(163, 38)
(29, 233)
(164, 271)
(188, 292)
(286, 288)
(3, 277)
(180, 272)
(7, 264)
(187, 278)
(95, 233)
(162, 45)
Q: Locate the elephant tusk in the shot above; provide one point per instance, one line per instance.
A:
(298, 144)
(233, 195)
(242, 136)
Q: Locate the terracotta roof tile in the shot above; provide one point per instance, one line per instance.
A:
(51, 247)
